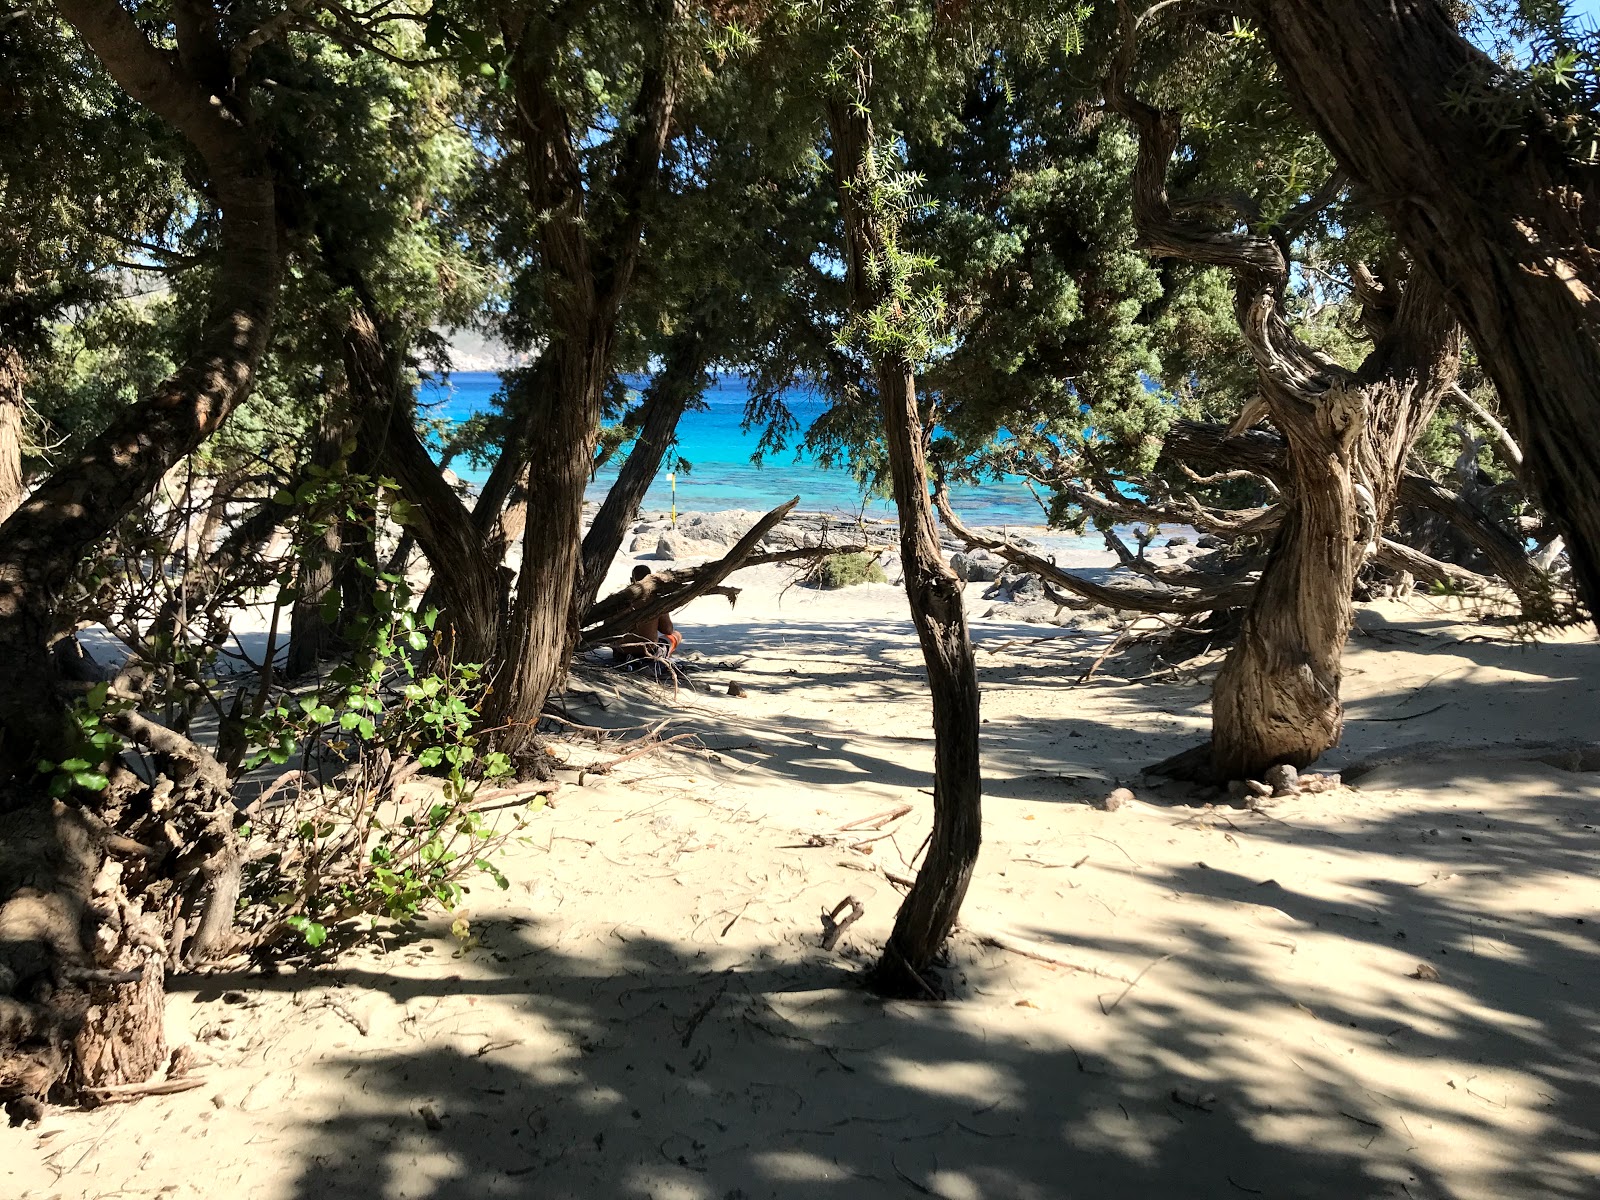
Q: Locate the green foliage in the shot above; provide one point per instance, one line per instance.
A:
(88, 182)
(846, 570)
(1545, 88)
(96, 743)
(907, 324)
(367, 847)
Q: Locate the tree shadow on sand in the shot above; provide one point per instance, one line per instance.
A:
(644, 1068)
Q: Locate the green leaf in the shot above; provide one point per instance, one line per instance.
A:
(313, 933)
(91, 781)
(74, 764)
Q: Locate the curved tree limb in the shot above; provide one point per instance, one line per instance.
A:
(1127, 599)
(651, 597)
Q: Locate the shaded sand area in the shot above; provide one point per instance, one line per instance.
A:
(1385, 991)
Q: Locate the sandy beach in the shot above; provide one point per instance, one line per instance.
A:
(1382, 991)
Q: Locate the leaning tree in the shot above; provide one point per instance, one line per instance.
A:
(1347, 430)
(1486, 174)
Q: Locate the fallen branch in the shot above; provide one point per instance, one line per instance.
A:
(833, 928)
(123, 1093)
(878, 820)
(667, 590)
(541, 787)
(989, 939)
(1135, 599)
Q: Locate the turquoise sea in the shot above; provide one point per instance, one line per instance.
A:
(723, 476)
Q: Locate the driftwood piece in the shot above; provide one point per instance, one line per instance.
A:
(833, 926)
(668, 590)
(1136, 599)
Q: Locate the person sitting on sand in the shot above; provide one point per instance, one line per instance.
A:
(653, 637)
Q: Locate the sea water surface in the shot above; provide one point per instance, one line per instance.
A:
(723, 475)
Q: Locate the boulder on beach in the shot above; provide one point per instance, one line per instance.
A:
(977, 566)
(674, 546)
(722, 528)
(1014, 587)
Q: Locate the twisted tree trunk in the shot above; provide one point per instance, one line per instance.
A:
(80, 976)
(1276, 699)
(929, 911)
(1491, 202)
(681, 381)
(11, 416)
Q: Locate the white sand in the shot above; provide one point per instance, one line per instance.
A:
(649, 1014)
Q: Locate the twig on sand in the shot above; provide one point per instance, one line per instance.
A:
(910, 1182)
(704, 1011)
(605, 767)
(1108, 841)
(989, 939)
(833, 928)
(1409, 716)
(734, 921)
(1117, 643)
(899, 881)
(878, 820)
(541, 787)
(1147, 969)
(121, 1093)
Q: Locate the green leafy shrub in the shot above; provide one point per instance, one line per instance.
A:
(847, 570)
(382, 822)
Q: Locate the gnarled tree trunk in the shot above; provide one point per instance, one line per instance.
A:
(64, 869)
(11, 418)
(586, 278)
(1276, 699)
(681, 380)
(929, 911)
(1491, 202)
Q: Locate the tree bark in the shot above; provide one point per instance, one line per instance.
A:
(82, 501)
(11, 421)
(61, 913)
(681, 380)
(929, 911)
(312, 637)
(1488, 201)
(587, 275)
(1347, 435)
(467, 581)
